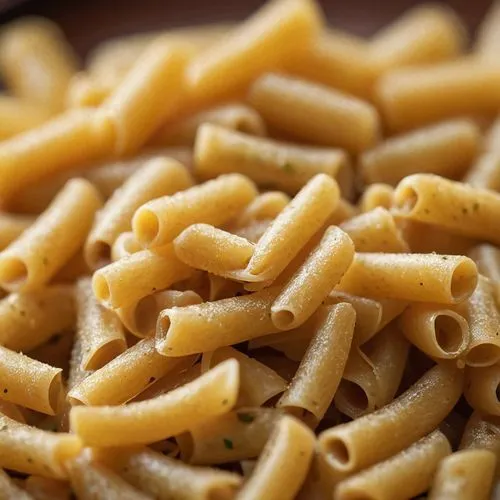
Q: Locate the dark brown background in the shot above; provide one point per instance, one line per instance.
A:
(86, 22)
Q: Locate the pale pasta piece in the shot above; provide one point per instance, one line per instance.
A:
(140, 318)
(282, 467)
(33, 259)
(44, 488)
(426, 34)
(405, 475)
(487, 259)
(18, 115)
(262, 42)
(223, 322)
(314, 385)
(26, 449)
(315, 113)
(138, 106)
(214, 202)
(237, 435)
(373, 373)
(459, 208)
(212, 394)
(124, 245)
(482, 432)
(36, 61)
(27, 320)
(464, 475)
(376, 195)
(375, 231)
(447, 149)
(93, 481)
(265, 206)
(444, 279)
(412, 97)
(483, 173)
(100, 331)
(481, 389)
(165, 478)
(484, 322)
(210, 249)
(238, 117)
(29, 383)
(126, 281)
(437, 331)
(350, 447)
(125, 376)
(158, 177)
(258, 382)
(10, 490)
(267, 162)
(292, 229)
(313, 281)
(84, 90)
(487, 38)
(66, 141)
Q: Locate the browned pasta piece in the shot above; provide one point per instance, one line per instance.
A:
(237, 319)
(447, 149)
(267, 162)
(464, 475)
(25, 448)
(415, 96)
(158, 177)
(29, 319)
(34, 258)
(212, 394)
(437, 331)
(365, 441)
(375, 231)
(315, 113)
(12, 411)
(214, 202)
(481, 388)
(376, 195)
(314, 385)
(455, 206)
(483, 173)
(405, 475)
(444, 279)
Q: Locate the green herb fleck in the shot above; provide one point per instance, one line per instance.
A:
(288, 167)
(228, 444)
(246, 418)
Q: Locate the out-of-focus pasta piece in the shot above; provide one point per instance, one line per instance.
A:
(481, 389)
(19, 115)
(376, 195)
(487, 37)
(10, 490)
(44, 488)
(484, 173)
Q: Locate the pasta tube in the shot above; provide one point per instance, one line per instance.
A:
(376, 195)
(481, 389)
(265, 206)
(482, 432)
(483, 174)
(487, 259)
(124, 245)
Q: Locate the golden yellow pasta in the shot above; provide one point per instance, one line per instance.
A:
(481, 389)
(84, 90)
(30, 261)
(36, 61)
(124, 245)
(367, 440)
(267, 162)
(212, 394)
(405, 475)
(215, 202)
(376, 195)
(437, 331)
(314, 385)
(315, 113)
(12, 226)
(128, 280)
(483, 173)
(158, 177)
(464, 475)
(444, 279)
(264, 41)
(447, 149)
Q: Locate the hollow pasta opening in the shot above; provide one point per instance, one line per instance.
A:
(55, 393)
(354, 395)
(449, 334)
(146, 225)
(283, 319)
(101, 287)
(146, 316)
(463, 280)
(338, 453)
(163, 327)
(406, 199)
(13, 273)
(483, 355)
(98, 254)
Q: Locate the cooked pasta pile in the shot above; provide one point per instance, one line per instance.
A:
(252, 262)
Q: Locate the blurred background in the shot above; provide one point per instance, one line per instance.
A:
(87, 22)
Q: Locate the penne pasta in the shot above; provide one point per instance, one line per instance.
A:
(12, 411)
(483, 173)
(376, 195)
(10, 490)
(481, 389)
(33, 259)
(44, 488)
(212, 394)
(487, 259)
(481, 432)
(313, 387)
(267, 162)
(158, 177)
(265, 206)
(124, 245)
(405, 475)
(440, 333)
(447, 149)
(314, 113)
(253, 231)
(444, 279)
(215, 202)
(11, 227)
(87, 91)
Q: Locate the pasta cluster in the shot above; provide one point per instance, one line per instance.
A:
(253, 262)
